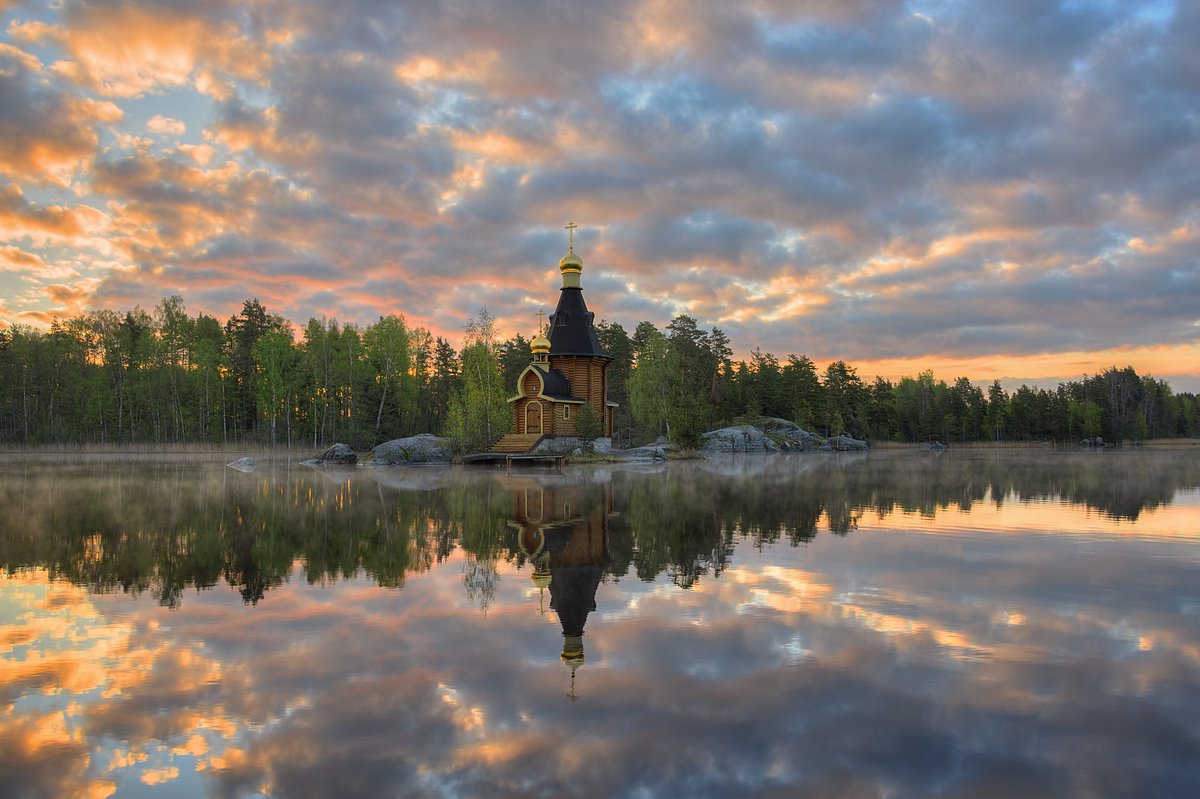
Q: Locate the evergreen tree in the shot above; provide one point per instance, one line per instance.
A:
(619, 346)
(241, 332)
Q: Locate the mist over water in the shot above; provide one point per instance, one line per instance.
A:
(888, 624)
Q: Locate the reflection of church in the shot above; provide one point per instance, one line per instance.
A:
(563, 530)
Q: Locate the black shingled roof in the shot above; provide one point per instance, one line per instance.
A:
(571, 331)
(554, 383)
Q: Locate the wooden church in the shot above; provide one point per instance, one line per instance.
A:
(567, 371)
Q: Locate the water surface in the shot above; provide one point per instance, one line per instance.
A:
(899, 624)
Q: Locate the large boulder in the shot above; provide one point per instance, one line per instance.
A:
(425, 448)
(739, 438)
(337, 455)
(788, 434)
(557, 445)
(648, 453)
(245, 464)
(847, 444)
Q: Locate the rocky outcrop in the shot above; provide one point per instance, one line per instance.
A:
(787, 434)
(558, 445)
(246, 464)
(846, 444)
(767, 434)
(337, 455)
(646, 454)
(740, 438)
(425, 448)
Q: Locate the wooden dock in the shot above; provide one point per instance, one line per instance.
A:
(509, 460)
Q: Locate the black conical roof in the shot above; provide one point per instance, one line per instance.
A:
(571, 331)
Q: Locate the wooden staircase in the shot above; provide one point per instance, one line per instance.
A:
(516, 443)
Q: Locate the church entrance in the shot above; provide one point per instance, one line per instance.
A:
(533, 418)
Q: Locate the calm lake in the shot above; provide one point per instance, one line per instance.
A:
(892, 624)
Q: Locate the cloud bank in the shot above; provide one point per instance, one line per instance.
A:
(996, 187)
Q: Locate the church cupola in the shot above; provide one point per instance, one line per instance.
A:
(540, 346)
(571, 265)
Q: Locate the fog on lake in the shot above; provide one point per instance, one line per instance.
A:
(888, 624)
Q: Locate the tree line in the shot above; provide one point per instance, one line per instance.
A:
(165, 376)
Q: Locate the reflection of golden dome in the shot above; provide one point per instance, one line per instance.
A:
(540, 578)
(571, 262)
(539, 344)
(572, 653)
(531, 541)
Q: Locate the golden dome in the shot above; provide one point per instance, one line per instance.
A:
(540, 578)
(540, 344)
(571, 261)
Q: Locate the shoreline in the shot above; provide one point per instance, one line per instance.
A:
(223, 450)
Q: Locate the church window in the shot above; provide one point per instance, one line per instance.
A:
(566, 411)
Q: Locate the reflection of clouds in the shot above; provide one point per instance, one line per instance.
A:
(55, 641)
(93, 700)
(984, 659)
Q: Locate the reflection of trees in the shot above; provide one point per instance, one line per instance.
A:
(165, 529)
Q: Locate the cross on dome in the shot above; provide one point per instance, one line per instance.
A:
(570, 227)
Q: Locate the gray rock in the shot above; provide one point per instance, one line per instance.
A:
(423, 448)
(246, 464)
(740, 438)
(558, 445)
(650, 452)
(789, 435)
(338, 454)
(847, 444)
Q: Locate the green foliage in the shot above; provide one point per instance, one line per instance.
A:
(479, 413)
(105, 377)
(514, 357)
(275, 360)
(619, 346)
(588, 424)
(388, 348)
(650, 385)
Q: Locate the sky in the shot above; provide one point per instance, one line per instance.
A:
(991, 190)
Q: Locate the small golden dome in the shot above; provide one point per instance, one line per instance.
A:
(531, 541)
(541, 578)
(571, 262)
(572, 651)
(540, 344)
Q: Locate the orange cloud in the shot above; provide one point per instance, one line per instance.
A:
(195, 746)
(46, 137)
(157, 776)
(165, 125)
(128, 51)
(472, 67)
(14, 259)
(79, 225)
